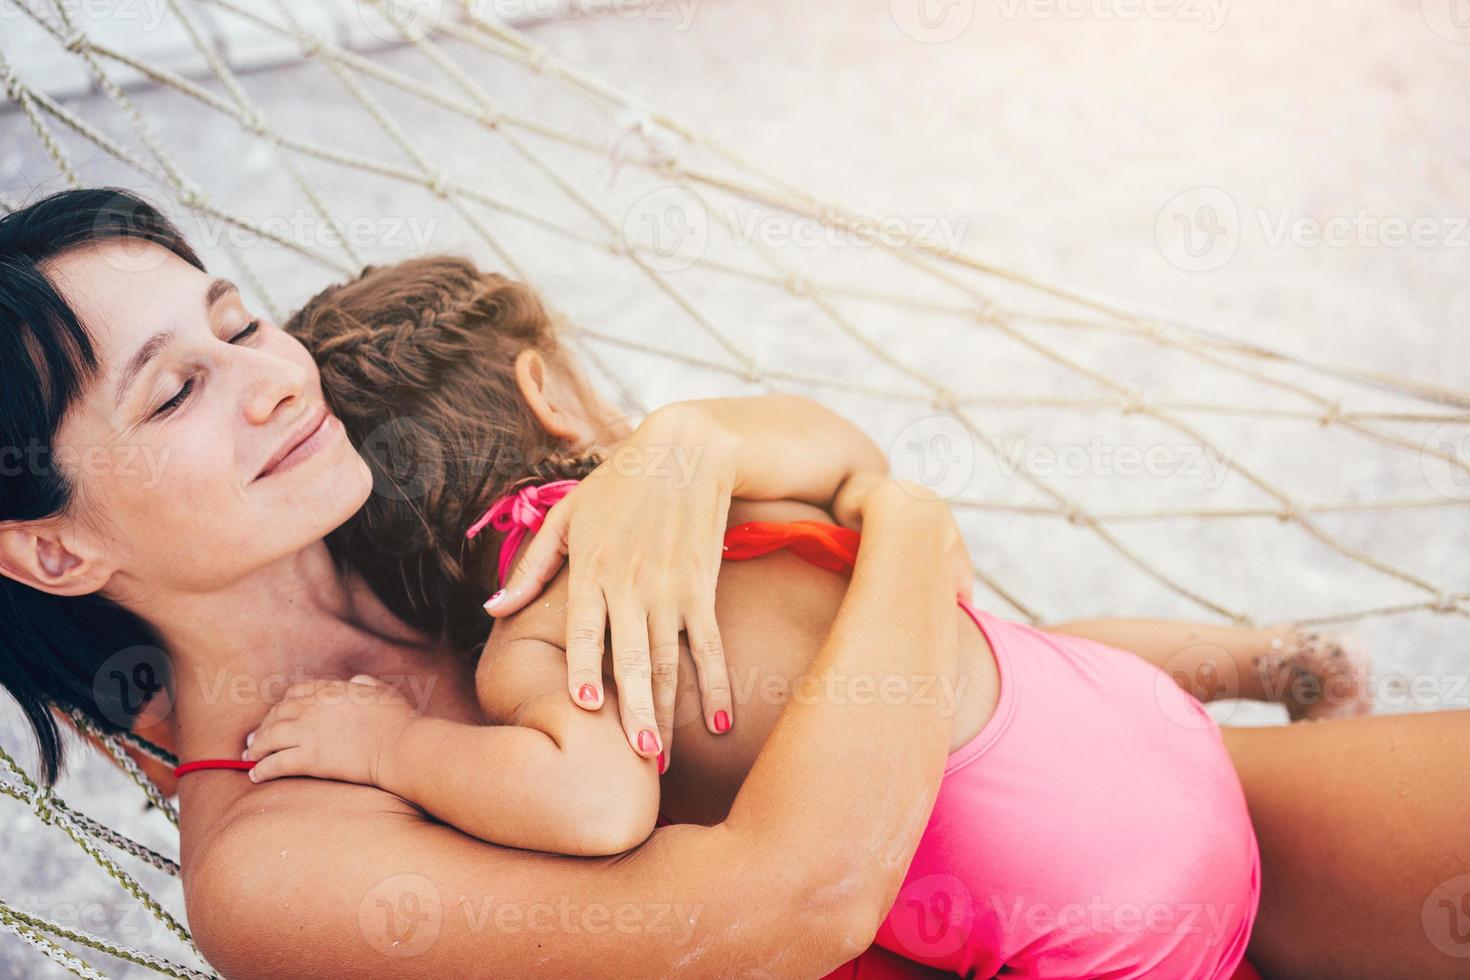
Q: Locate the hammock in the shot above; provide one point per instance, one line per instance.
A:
(697, 270)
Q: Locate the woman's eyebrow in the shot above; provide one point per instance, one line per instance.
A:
(138, 361)
(218, 289)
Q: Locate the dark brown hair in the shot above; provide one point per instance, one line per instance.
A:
(418, 361)
(57, 652)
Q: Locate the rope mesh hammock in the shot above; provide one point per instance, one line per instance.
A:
(608, 181)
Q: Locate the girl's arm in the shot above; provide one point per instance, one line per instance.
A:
(644, 531)
(550, 778)
(795, 882)
(545, 777)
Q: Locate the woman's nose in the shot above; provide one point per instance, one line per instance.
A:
(269, 382)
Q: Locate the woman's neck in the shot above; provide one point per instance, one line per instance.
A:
(234, 652)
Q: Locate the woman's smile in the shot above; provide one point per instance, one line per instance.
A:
(327, 430)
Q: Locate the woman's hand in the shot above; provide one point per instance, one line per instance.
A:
(646, 529)
(330, 729)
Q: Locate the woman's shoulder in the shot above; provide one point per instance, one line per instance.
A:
(296, 874)
(218, 818)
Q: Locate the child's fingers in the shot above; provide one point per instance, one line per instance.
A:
(586, 627)
(285, 711)
(272, 738)
(539, 565)
(847, 506)
(287, 762)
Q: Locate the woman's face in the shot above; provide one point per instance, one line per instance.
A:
(169, 448)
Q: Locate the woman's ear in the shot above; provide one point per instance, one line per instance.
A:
(47, 557)
(551, 398)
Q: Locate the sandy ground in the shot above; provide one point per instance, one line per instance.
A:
(1249, 167)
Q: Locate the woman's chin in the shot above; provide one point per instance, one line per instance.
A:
(327, 491)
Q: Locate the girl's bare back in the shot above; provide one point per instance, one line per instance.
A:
(774, 613)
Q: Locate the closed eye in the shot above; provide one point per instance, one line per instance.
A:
(250, 329)
(175, 401)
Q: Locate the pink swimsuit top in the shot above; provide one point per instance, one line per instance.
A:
(523, 512)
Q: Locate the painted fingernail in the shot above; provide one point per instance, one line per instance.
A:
(647, 742)
(494, 599)
(249, 739)
(245, 756)
(587, 694)
(722, 721)
(663, 763)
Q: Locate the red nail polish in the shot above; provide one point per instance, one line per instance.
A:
(663, 764)
(646, 741)
(722, 721)
(587, 694)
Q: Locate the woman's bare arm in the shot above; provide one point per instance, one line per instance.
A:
(793, 883)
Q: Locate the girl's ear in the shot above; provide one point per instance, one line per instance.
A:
(552, 399)
(45, 556)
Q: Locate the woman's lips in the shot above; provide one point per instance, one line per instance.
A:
(323, 434)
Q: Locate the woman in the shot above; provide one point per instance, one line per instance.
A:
(338, 883)
(224, 566)
(544, 774)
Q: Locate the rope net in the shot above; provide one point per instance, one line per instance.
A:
(1169, 469)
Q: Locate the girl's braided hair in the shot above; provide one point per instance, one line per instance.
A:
(418, 361)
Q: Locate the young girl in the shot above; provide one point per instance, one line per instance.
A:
(1090, 822)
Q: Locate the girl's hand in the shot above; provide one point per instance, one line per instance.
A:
(330, 729)
(645, 530)
(864, 494)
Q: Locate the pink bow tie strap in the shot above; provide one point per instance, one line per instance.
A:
(518, 514)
